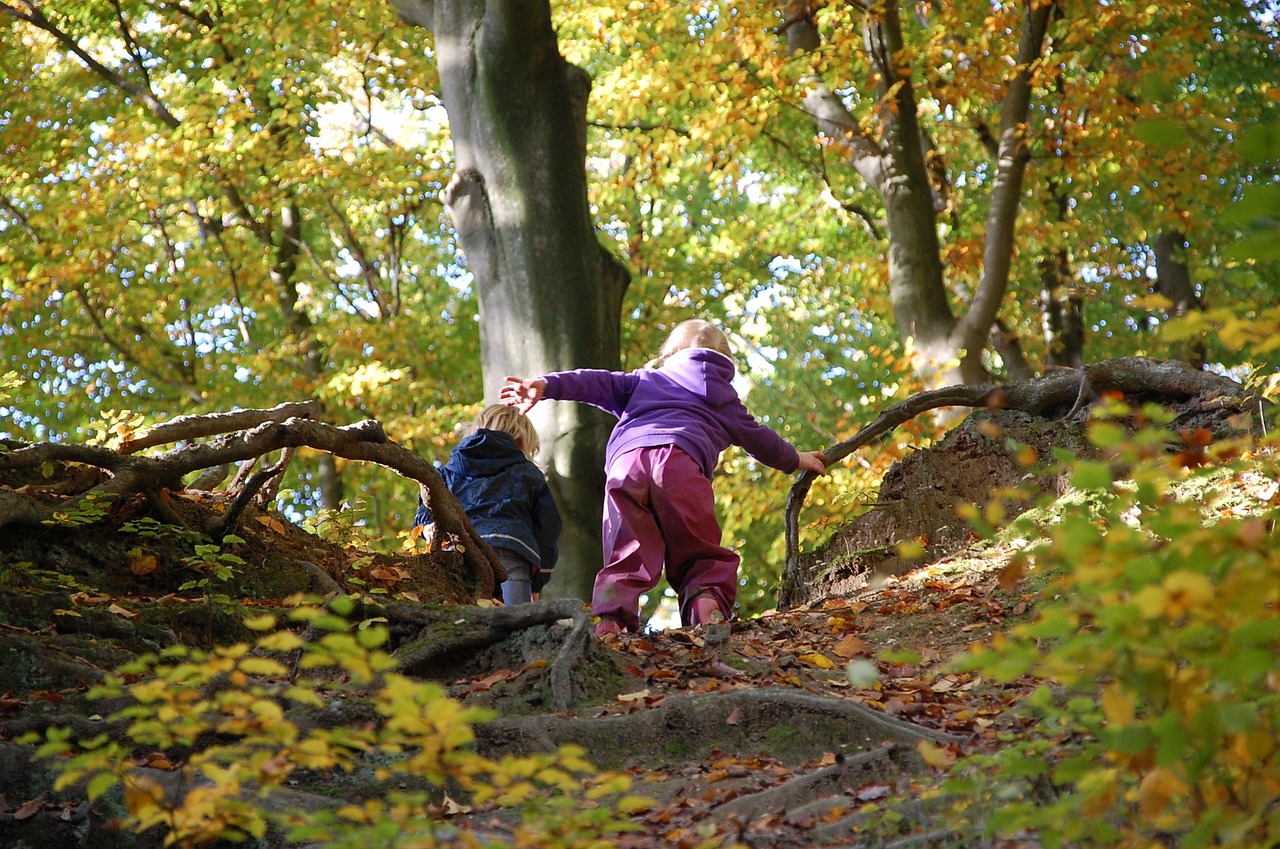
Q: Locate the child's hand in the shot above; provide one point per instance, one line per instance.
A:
(522, 392)
(813, 461)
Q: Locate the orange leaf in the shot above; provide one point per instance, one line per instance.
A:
(143, 564)
(29, 808)
(852, 646)
(274, 524)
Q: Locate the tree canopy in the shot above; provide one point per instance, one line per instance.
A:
(206, 205)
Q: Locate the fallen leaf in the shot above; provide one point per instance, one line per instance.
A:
(452, 808)
(1011, 574)
(158, 760)
(851, 646)
(143, 564)
(30, 808)
(936, 756)
(272, 523)
(734, 717)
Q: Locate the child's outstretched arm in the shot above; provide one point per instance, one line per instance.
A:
(813, 461)
(522, 392)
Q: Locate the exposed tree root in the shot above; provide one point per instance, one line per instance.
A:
(883, 765)
(733, 720)
(438, 635)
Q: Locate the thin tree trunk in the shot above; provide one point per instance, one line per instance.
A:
(1063, 311)
(1173, 281)
(1006, 195)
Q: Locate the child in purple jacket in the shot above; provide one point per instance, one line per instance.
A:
(676, 416)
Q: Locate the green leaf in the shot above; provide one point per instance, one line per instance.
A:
(1091, 475)
(99, 784)
(1260, 143)
(1163, 133)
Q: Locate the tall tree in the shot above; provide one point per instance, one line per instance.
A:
(893, 160)
(210, 204)
(550, 296)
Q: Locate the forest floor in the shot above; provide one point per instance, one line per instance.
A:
(753, 747)
(829, 723)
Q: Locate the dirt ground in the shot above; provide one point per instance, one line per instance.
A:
(771, 731)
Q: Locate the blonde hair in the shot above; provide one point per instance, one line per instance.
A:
(511, 421)
(694, 333)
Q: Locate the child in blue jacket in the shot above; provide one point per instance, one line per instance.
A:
(506, 497)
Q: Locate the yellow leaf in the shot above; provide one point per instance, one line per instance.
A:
(819, 660)
(911, 549)
(1118, 704)
(141, 793)
(281, 641)
(936, 756)
(1157, 789)
(634, 804)
(1150, 601)
(263, 666)
(265, 622)
(143, 564)
(1192, 588)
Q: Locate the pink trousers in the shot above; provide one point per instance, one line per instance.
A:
(659, 509)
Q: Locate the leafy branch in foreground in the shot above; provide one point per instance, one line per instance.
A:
(218, 741)
(1156, 643)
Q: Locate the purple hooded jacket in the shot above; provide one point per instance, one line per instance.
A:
(689, 402)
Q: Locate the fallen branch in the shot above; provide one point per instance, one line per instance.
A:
(150, 476)
(1059, 391)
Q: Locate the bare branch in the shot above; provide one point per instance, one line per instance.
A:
(215, 424)
(140, 474)
(1058, 390)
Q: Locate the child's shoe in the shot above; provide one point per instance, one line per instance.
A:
(608, 625)
(706, 611)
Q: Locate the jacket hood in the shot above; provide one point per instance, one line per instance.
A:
(704, 372)
(485, 453)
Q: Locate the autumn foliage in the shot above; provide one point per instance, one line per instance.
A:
(1155, 642)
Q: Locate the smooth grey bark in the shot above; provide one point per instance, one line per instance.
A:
(1006, 195)
(895, 167)
(550, 296)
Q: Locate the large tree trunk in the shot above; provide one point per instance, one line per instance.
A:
(549, 295)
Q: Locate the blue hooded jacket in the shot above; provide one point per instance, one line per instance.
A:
(506, 497)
